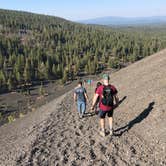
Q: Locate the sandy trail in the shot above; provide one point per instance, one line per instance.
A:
(54, 134)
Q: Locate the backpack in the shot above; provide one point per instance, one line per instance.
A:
(107, 98)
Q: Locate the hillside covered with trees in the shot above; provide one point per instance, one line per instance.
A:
(37, 47)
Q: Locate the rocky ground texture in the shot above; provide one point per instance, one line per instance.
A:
(54, 135)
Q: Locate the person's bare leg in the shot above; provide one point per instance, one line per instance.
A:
(102, 126)
(110, 122)
(110, 119)
(102, 123)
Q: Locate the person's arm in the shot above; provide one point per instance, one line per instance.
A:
(94, 100)
(116, 100)
(75, 97)
(86, 96)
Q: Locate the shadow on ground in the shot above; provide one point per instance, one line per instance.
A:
(120, 101)
(118, 132)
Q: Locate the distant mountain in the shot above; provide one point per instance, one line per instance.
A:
(124, 21)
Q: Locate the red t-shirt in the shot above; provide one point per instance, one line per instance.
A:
(99, 91)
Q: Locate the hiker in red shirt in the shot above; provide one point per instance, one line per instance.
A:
(107, 94)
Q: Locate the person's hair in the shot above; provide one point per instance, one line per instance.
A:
(98, 84)
(80, 83)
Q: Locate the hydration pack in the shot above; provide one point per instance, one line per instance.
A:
(107, 98)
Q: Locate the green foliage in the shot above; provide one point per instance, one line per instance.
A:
(27, 71)
(0, 116)
(41, 90)
(10, 83)
(21, 115)
(114, 63)
(11, 119)
(54, 70)
(18, 77)
(2, 78)
(65, 76)
(35, 47)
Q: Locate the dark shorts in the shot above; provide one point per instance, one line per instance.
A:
(102, 114)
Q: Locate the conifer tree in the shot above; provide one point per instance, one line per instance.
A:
(54, 70)
(10, 83)
(65, 76)
(2, 78)
(27, 71)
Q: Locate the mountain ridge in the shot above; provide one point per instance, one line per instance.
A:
(115, 20)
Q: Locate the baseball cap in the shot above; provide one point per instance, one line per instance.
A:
(106, 76)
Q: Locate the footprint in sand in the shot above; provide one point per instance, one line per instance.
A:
(77, 134)
(81, 127)
(59, 144)
(92, 142)
(103, 149)
(92, 154)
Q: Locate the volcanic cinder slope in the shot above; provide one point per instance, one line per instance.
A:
(54, 134)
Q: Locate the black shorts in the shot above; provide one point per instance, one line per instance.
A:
(102, 114)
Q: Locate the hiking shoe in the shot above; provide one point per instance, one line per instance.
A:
(102, 133)
(81, 116)
(111, 132)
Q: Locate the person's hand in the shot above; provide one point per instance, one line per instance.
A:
(116, 105)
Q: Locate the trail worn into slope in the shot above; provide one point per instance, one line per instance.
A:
(61, 138)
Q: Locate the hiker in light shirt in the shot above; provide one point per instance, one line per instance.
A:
(81, 97)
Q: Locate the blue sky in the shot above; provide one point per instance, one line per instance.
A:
(85, 9)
